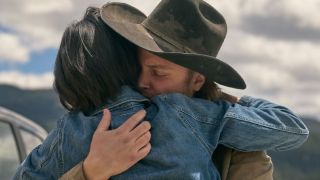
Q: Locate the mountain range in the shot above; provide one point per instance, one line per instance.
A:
(43, 107)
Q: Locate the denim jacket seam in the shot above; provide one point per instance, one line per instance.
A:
(233, 147)
(44, 162)
(60, 150)
(125, 114)
(245, 100)
(118, 103)
(129, 106)
(194, 131)
(245, 119)
(196, 118)
(93, 116)
(126, 101)
(53, 145)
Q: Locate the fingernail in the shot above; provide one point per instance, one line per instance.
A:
(142, 111)
(105, 111)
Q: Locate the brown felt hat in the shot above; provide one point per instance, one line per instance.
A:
(186, 32)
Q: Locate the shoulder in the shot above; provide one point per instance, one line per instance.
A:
(198, 109)
(186, 102)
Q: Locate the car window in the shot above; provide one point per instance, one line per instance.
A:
(9, 157)
(30, 140)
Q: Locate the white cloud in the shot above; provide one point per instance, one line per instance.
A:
(300, 97)
(288, 54)
(39, 24)
(39, 38)
(299, 103)
(145, 6)
(39, 7)
(267, 78)
(27, 81)
(305, 12)
(273, 69)
(12, 49)
(286, 72)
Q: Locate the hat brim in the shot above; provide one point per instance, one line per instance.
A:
(126, 21)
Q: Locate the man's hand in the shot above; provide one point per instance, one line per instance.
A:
(114, 151)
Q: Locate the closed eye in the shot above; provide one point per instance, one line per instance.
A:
(160, 73)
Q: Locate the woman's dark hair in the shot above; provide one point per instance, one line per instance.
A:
(92, 64)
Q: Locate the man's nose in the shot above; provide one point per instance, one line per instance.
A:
(144, 81)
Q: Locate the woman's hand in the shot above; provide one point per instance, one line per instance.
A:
(114, 151)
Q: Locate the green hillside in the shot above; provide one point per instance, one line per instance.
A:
(302, 163)
(41, 106)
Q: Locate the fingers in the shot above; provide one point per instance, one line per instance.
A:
(141, 129)
(144, 151)
(105, 121)
(133, 121)
(143, 140)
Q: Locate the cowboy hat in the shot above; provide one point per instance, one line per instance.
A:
(186, 32)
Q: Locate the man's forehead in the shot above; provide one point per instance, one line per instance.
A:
(155, 62)
(155, 65)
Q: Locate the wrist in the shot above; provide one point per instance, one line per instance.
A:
(86, 170)
(90, 172)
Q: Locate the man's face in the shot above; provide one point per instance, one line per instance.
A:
(161, 76)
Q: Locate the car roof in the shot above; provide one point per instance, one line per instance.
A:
(23, 122)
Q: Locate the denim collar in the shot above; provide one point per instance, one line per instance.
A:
(127, 94)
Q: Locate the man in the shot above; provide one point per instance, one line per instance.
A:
(161, 76)
(165, 36)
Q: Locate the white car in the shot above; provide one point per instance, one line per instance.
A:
(18, 136)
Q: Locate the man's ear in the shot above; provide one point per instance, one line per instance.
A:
(197, 81)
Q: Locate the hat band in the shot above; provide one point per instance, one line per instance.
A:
(165, 38)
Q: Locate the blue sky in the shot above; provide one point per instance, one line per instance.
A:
(273, 44)
(39, 62)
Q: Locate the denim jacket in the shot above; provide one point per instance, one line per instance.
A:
(185, 132)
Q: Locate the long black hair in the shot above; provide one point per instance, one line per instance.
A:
(92, 64)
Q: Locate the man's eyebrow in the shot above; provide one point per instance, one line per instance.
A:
(157, 66)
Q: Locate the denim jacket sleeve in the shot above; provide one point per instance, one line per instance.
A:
(262, 125)
(250, 125)
(43, 162)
